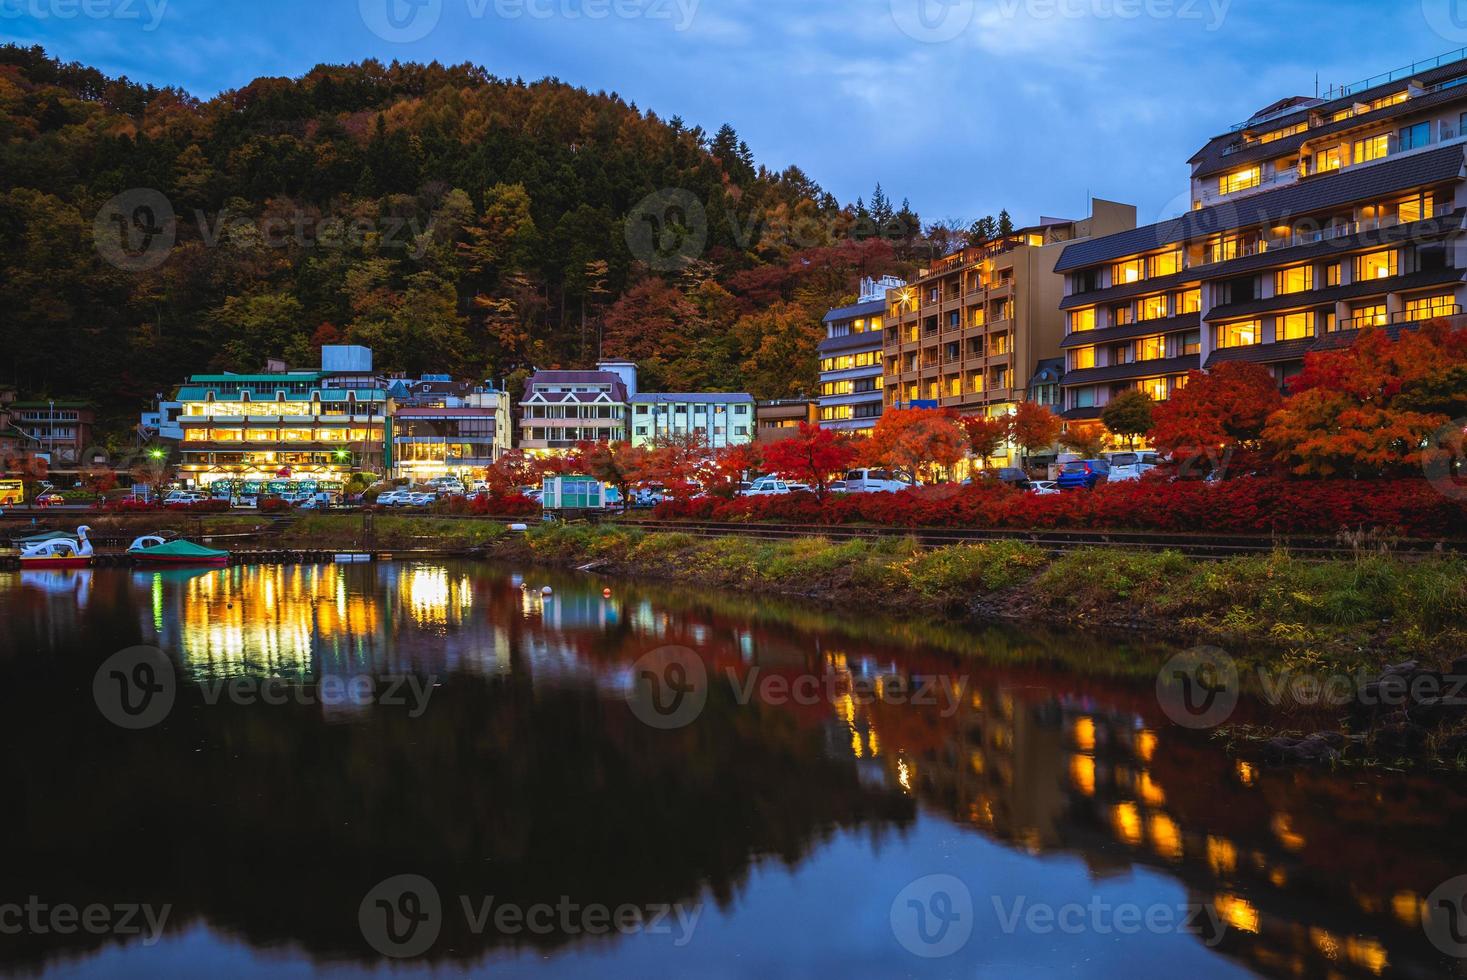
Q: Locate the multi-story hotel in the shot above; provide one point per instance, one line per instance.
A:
(719, 419)
(851, 391)
(563, 408)
(970, 332)
(442, 427)
(1313, 219)
(284, 425)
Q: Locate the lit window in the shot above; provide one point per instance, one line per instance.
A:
(1376, 265)
(1153, 308)
(1165, 264)
(1294, 326)
(1299, 279)
(1240, 180)
(1156, 388)
(1373, 148)
(1122, 315)
(1082, 320)
(1151, 348)
(1416, 208)
(1189, 301)
(980, 316)
(1126, 272)
(1368, 315)
(1328, 159)
(1081, 358)
(1332, 274)
(1427, 307)
(1244, 333)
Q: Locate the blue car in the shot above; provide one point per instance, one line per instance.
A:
(1083, 474)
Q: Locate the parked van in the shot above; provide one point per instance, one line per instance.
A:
(1130, 466)
(873, 481)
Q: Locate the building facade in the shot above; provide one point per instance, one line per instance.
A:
(719, 420)
(851, 389)
(1313, 219)
(56, 432)
(294, 425)
(563, 408)
(970, 332)
(776, 420)
(456, 430)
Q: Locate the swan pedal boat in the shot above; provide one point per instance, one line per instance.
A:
(60, 551)
(154, 550)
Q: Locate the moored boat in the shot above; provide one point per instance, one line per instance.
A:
(153, 550)
(61, 551)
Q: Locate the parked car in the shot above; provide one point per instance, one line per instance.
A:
(647, 497)
(392, 498)
(182, 497)
(1043, 487)
(49, 500)
(1131, 466)
(318, 501)
(769, 486)
(871, 481)
(1083, 474)
(421, 498)
(247, 501)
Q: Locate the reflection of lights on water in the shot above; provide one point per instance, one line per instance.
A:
(872, 743)
(1247, 775)
(1166, 837)
(1407, 908)
(904, 775)
(1145, 744)
(1222, 856)
(857, 746)
(1084, 734)
(157, 596)
(1362, 951)
(1082, 774)
(1127, 822)
(1236, 912)
(1149, 792)
(428, 595)
(1283, 829)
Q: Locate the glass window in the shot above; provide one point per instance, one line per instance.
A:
(1240, 180)
(1166, 263)
(1368, 315)
(1153, 308)
(1376, 265)
(1189, 301)
(1244, 333)
(1328, 159)
(1415, 137)
(1156, 388)
(1427, 307)
(1122, 315)
(1151, 348)
(1081, 358)
(1294, 326)
(1372, 148)
(1416, 208)
(1082, 320)
(1332, 274)
(1192, 342)
(1299, 279)
(1084, 398)
(1125, 272)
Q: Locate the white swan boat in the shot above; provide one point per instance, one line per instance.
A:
(59, 552)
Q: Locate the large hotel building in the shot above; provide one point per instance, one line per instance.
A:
(971, 332)
(1313, 219)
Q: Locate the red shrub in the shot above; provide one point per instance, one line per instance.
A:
(128, 505)
(1258, 505)
(274, 505)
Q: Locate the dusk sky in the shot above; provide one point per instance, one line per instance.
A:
(965, 106)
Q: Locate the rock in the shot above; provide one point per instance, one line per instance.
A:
(1404, 669)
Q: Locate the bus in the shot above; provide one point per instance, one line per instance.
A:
(12, 493)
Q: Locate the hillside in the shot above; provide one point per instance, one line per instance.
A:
(449, 219)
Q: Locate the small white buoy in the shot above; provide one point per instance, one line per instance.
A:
(519, 527)
(547, 591)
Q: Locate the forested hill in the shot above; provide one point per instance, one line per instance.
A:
(449, 219)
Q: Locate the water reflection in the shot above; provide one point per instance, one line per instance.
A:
(528, 778)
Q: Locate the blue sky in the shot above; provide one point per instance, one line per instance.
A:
(965, 106)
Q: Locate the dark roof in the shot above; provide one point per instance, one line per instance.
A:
(1145, 328)
(1136, 369)
(1284, 350)
(691, 397)
(859, 309)
(1316, 297)
(1081, 414)
(1048, 371)
(1142, 287)
(1214, 159)
(1271, 207)
(871, 339)
(546, 379)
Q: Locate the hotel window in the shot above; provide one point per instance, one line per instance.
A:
(1332, 274)
(980, 316)
(1415, 137)
(1294, 326)
(955, 385)
(1368, 315)
(954, 320)
(1082, 358)
(934, 392)
(1165, 264)
(1299, 279)
(1327, 160)
(1240, 180)
(1127, 272)
(1427, 307)
(1373, 148)
(1151, 348)
(1122, 315)
(1377, 265)
(1155, 388)
(1084, 398)
(1192, 343)
(1189, 301)
(1244, 333)
(1153, 308)
(1081, 320)
(1415, 208)
(1331, 322)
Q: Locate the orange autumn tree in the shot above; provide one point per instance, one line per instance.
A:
(985, 436)
(915, 441)
(727, 467)
(810, 456)
(1034, 428)
(1374, 408)
(1216, 413)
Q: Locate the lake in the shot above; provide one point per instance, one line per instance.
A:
(416, 769)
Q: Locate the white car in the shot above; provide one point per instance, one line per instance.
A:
(1043, 487)
(770, 487)
(871, 481)
(421, 499)
(1130, 466)
(392, 498)
(184, 497)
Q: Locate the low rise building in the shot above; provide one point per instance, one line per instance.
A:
(851, 389)
(57, 432)
(718, 419)
(460, 434)
(781, 419)
(561, 409)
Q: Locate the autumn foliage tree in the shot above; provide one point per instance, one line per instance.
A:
(810, 456)
(726, 468)
(986, 436)
(1217, 412)
(1371, 409)
(1128, 415)
(915, 441)
(618, 464)
(1034, 428)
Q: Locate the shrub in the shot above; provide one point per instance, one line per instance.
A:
(274, 505)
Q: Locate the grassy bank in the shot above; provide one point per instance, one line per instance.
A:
(391, 533)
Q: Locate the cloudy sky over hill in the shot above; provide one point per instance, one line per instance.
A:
(967, 106)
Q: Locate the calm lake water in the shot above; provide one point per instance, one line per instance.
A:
(433, 769)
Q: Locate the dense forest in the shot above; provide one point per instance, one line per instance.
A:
(449, 219)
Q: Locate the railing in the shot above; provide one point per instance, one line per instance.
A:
(1416, 68)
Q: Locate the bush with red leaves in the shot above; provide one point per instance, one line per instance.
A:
(129, 505)
(1253, 505)
(489, 505)
(274, 505)
(200, 507)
